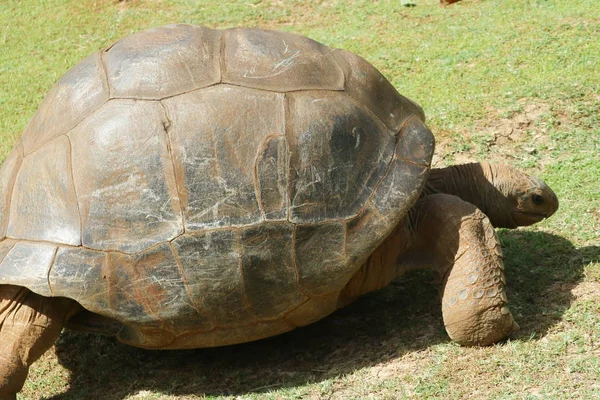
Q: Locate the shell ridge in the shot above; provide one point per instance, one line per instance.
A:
(167, 128)
(381, 156)
(186, 284)
(369, 200)
(8, 251)
(108, 277)
(52, 261)
(105, 71)
(222, 64)
(287, 133)
(406, 160)
(73, 97)
(72, 177)
(240, 249)
(295, 266)
(28, 266)
(345, 83)
(256, 180)
(21, 155)
(375, 116)
(285, 316)
(388, 169)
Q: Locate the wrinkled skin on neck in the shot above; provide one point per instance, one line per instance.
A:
(509, 197)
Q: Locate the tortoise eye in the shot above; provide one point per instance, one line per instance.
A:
(537, 199)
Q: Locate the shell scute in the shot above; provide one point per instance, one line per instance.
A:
(210, 262)
(216, 135)
(82, 275)
(369, 87)
(416, 143)
(44, 203)
(338, 154)
(397, 190)
(320, 256)
(163, 61)
(27, 264)
(124, 177)
(278, 61)
(271, 177)
(76, 95)
(148, 289)
(268, 269)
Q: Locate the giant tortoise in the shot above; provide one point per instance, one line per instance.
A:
(191, 187)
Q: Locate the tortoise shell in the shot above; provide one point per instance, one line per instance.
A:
(206, 187)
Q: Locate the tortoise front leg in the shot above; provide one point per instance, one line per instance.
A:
(463, 247)
(29, 325)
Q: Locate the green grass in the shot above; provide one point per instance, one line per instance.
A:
(514, 81)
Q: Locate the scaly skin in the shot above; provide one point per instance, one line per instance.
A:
(29, 325)
(450, 230)
(468, 259)
(456, 240)
(509, 197)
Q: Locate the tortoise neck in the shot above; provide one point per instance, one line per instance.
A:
(476, 183)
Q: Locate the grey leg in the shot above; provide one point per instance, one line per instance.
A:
(29, 325)
(461, 244)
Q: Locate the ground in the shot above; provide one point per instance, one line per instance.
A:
(508, 81)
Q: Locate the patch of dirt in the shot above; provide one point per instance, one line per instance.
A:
(586, 291)
(99, 5)
(520, 137)
(579, 22)
(298, 14)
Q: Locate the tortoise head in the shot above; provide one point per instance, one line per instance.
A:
(525, 200)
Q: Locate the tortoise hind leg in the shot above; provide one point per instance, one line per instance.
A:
(29, 325)
(462, 247)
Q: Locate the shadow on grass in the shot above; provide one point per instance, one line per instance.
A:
(381, 326)
(404, 317)
(541, 271)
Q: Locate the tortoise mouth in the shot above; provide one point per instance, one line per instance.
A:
(523, 218)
